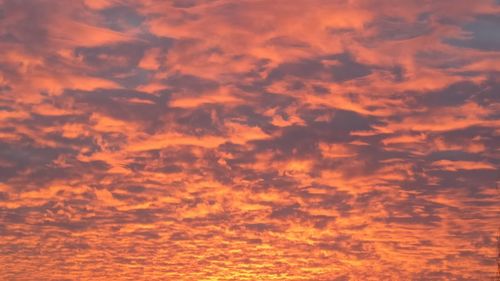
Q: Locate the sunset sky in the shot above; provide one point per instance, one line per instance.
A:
(204, 140)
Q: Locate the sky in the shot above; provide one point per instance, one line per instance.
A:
(305, 140)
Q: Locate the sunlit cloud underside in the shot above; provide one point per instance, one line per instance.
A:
(312, 140)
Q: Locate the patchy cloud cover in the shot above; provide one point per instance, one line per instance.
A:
(249, 140)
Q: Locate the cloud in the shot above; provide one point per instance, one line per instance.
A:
(482, 34)
(248, 140)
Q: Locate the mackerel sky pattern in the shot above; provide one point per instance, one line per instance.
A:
(306, 140)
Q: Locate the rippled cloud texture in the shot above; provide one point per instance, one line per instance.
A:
(320, 140)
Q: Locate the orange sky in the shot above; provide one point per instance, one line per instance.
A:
(322, 140)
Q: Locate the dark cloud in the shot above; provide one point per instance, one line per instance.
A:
(342, 68)
(484, 35)
(121, 18)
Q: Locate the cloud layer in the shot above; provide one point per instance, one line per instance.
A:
(249, 140)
